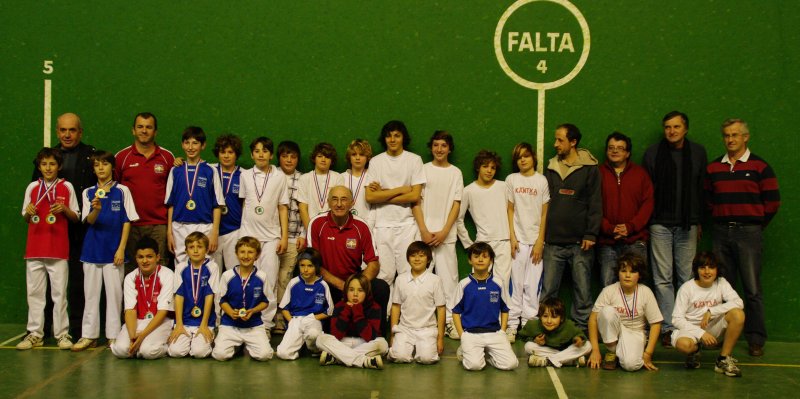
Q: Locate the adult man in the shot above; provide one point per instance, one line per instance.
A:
(144, 168)
(627, 206)
(78, 169)
(743, 194)
(573, 220)
(677, 168)
(344, 241)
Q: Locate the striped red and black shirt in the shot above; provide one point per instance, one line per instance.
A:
(746, 192)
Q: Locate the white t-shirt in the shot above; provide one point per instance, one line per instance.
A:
(693, 301)
(392, 172)
(418, 298)
(443, 186)
(358, 186)
(487, 206)
(644, 303)
(312, 190)
(528, 194)
(272, 188)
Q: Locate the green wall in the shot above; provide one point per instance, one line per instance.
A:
(334, 70)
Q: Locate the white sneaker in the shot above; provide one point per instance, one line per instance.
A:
(29, 342)
(451, 331)
(83, 344)
(374, 362)
(65, 342)
(581, 362)
(537, 361)
(459, 355)
(326, 359)
(512, 334)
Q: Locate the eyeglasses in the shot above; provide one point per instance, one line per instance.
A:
(612, 148)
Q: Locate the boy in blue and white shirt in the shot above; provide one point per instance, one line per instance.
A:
(480, 315)
(228, 149)
(108, 209)
(305, 303)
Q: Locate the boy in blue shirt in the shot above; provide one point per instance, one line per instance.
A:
(480, 314)
(305, 303)
(194, 198)
(228, 149)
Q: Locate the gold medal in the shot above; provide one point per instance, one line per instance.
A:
(224, 210)
(35, 219)
(100, 193)
(242, 312)
(190, 205)
(50, 219)
(196, 312)
(259, 210)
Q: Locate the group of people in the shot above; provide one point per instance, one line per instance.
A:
(346, 257)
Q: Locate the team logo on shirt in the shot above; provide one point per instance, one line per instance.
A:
(566, 191)
(235, 188)
(319, 299)
(116, 206)
(256, 292)
(158, 168)
(526, 190)
(351, 243)
(494, 296)
(202, 182)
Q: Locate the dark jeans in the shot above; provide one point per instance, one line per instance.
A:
(556, 259)
(738, 248)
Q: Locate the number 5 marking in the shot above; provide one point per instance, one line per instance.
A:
(48, 67)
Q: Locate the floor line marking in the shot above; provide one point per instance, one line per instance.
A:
(14, 338)
(72, 367)
(557, 383)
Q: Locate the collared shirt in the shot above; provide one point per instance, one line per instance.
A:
(147, 180)
(343, 249)
(744, 192)
(418, 298)
(295, 224)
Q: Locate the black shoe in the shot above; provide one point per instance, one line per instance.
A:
(756, 350)
(666, 340)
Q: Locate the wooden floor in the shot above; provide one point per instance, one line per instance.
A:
(53, 374)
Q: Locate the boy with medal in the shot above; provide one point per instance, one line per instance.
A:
(194, 302)
(108, 210)
(242, 299)
(265, 216)
(313, 186)
(148, 304)
(228, 149)
(194, 198)
(357, 178)
(48, 203)
(288, 158)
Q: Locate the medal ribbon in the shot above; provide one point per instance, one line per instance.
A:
(196, 286)
(152, 287)
(263, 186)
(98, 186)
(630, 311)
(190, 187)
(222, 176)
(360, 180)
(321, 195)
(244, 285)
(48, 192)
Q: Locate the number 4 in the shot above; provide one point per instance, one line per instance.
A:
(48, 67)
(542, 66)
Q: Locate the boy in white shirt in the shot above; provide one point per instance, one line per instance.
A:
(314, 185)
(357, 178)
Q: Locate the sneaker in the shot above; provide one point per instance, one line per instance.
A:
(83, 344)
(512, 334)
(459, 355)
(610, 361)
(451, 331)
(666, 339)
(326, 359)
(30, 341)
(537, 361)
(65, 342)
(581, 362)
(693, 360)
(728, 367)
(280, 327)
(374, 362)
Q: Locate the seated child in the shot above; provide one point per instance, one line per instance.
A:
(480, 315)
(619, 316)
(355, 339)
(707, 310)
(242, 299)
(194, 302)
(418, 310)
(148, 301)
(306, 301)
(553, 338)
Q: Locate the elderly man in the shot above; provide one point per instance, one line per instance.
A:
(77, 168)
(345, 243)
(144, 168)
(743, 194)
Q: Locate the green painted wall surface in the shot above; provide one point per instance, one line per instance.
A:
(334, 70)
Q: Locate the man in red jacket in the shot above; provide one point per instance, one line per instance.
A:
(627, 206)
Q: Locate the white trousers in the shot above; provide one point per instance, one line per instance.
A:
(254, 340)
(95, 277)
(37, 270)
(179, 233)
(526, 278)
(301, 330)
(226, 251)
(477, 349)
(194, 345)
(445, 264)
(154, 345)
(392, 243)
(351, 351)
(567, 356)
(502, 260)
(411, 344)
(268, 262)
(630, 343)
